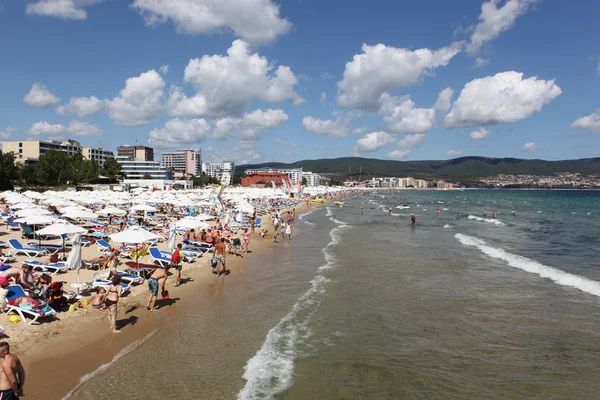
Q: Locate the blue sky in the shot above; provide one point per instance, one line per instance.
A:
(268, 80)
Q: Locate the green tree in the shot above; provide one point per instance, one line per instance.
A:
(304, 181)
(28, 174)
(237, 178)
(8, 171)
(54, 168)
(112, 169)
(147, 176)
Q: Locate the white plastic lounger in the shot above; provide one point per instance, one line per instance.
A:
(52, 268)
(28, 251)
(158, 258)
(50, 248)
(125, 277)
(105, 283)
(16, 292)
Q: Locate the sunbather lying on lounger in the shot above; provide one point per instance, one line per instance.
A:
(21, 276)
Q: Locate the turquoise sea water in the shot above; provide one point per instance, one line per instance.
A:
(367, 307)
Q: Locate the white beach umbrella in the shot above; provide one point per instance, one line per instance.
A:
(62, 229)
(133, 235)
(191, 223)
(83, 214)
(143, 207)
(112, 211)
(74, 260)
(32, 211)
(36, 220)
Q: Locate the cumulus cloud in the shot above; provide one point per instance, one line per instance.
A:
(7, 132)
(285, 143)
(75, 128)
(251, 125)
(40, 96)
(334, 128)
(444, 101)
(359, 131)
(256, 21)
(504, 97)
(479, 134)
(590, 122)
(81, 106)
(530, 146)
(139, 102)
(374, 141)
(65, 9)
(494, 20)
(481, 62)
(455, 153)
(164, 69)
(226, 85)
(381, 68)
(178, 132)
(241, 153)
(407, 144)
(402, 116)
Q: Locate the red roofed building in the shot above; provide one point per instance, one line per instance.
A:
(266, 178)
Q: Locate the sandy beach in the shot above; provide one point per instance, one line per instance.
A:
(77, 343)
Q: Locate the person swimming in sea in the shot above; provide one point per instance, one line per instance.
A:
(362, 211)
(493, 215)
(413, 220)
(390, 211)
(457, 215)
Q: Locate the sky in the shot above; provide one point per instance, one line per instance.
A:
(286, 80)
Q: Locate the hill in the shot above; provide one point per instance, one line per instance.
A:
(459, 169)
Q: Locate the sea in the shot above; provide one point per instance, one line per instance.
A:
(366, 306)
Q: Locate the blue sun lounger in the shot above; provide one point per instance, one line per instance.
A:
(28, 251)
(16, 292)
(158, 258)
(52, 268)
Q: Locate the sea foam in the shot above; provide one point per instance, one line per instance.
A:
(271, 370)
(558, 276)
(488, 220)
(126, 350)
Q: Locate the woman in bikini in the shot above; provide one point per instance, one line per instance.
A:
(246, 240)
(111, 300)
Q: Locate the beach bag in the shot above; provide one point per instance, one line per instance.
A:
(176, 258)
(213, 262)
(165, 294)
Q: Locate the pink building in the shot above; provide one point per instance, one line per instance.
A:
(188, 162)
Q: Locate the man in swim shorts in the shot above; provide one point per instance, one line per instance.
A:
(220, 254)
(12, 377)
(157, 279)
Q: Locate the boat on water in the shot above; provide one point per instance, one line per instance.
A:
(339, 203)
(318, 200)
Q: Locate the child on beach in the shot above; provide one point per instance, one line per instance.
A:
(3, 292)
(98, 299)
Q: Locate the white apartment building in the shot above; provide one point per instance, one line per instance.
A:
(138, 169)
(31, 150)
(184, 162)
(222, 171)
(98, 154)
(313, 179)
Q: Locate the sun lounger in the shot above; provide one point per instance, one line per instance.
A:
(17, 294)
(105, 283)
(98, 223)
(191, 245)
(190, 255)
(3, 244)
(157, 258)
(140, 269)
(8, 259)
(13, 226)
(103, 245)
(50, 248)
(52, 268)
(28, 251)
(125, 277)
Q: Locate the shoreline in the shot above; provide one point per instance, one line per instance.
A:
(76, 349)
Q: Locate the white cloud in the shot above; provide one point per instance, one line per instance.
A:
(337, 128)
(228, 84)
(75, 128)
(590, 122)
(179, 132)
(530, 146)
(251, 125)
(256, 21)
(444, 101)
(40, 96)
(402, 116)
(407, 144)
(494, 20)
(359, 131)
(285, 143)
(381, 68)
(326, 76)
(323, 98)
(164, 69)
(504, 97)
(374, 141)
(65, 9)
(455, 153)
(481, 62)
(479, 134)
(241, 153)
(7, 132)
(45, 128)
(81, 106)
(139, 101)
